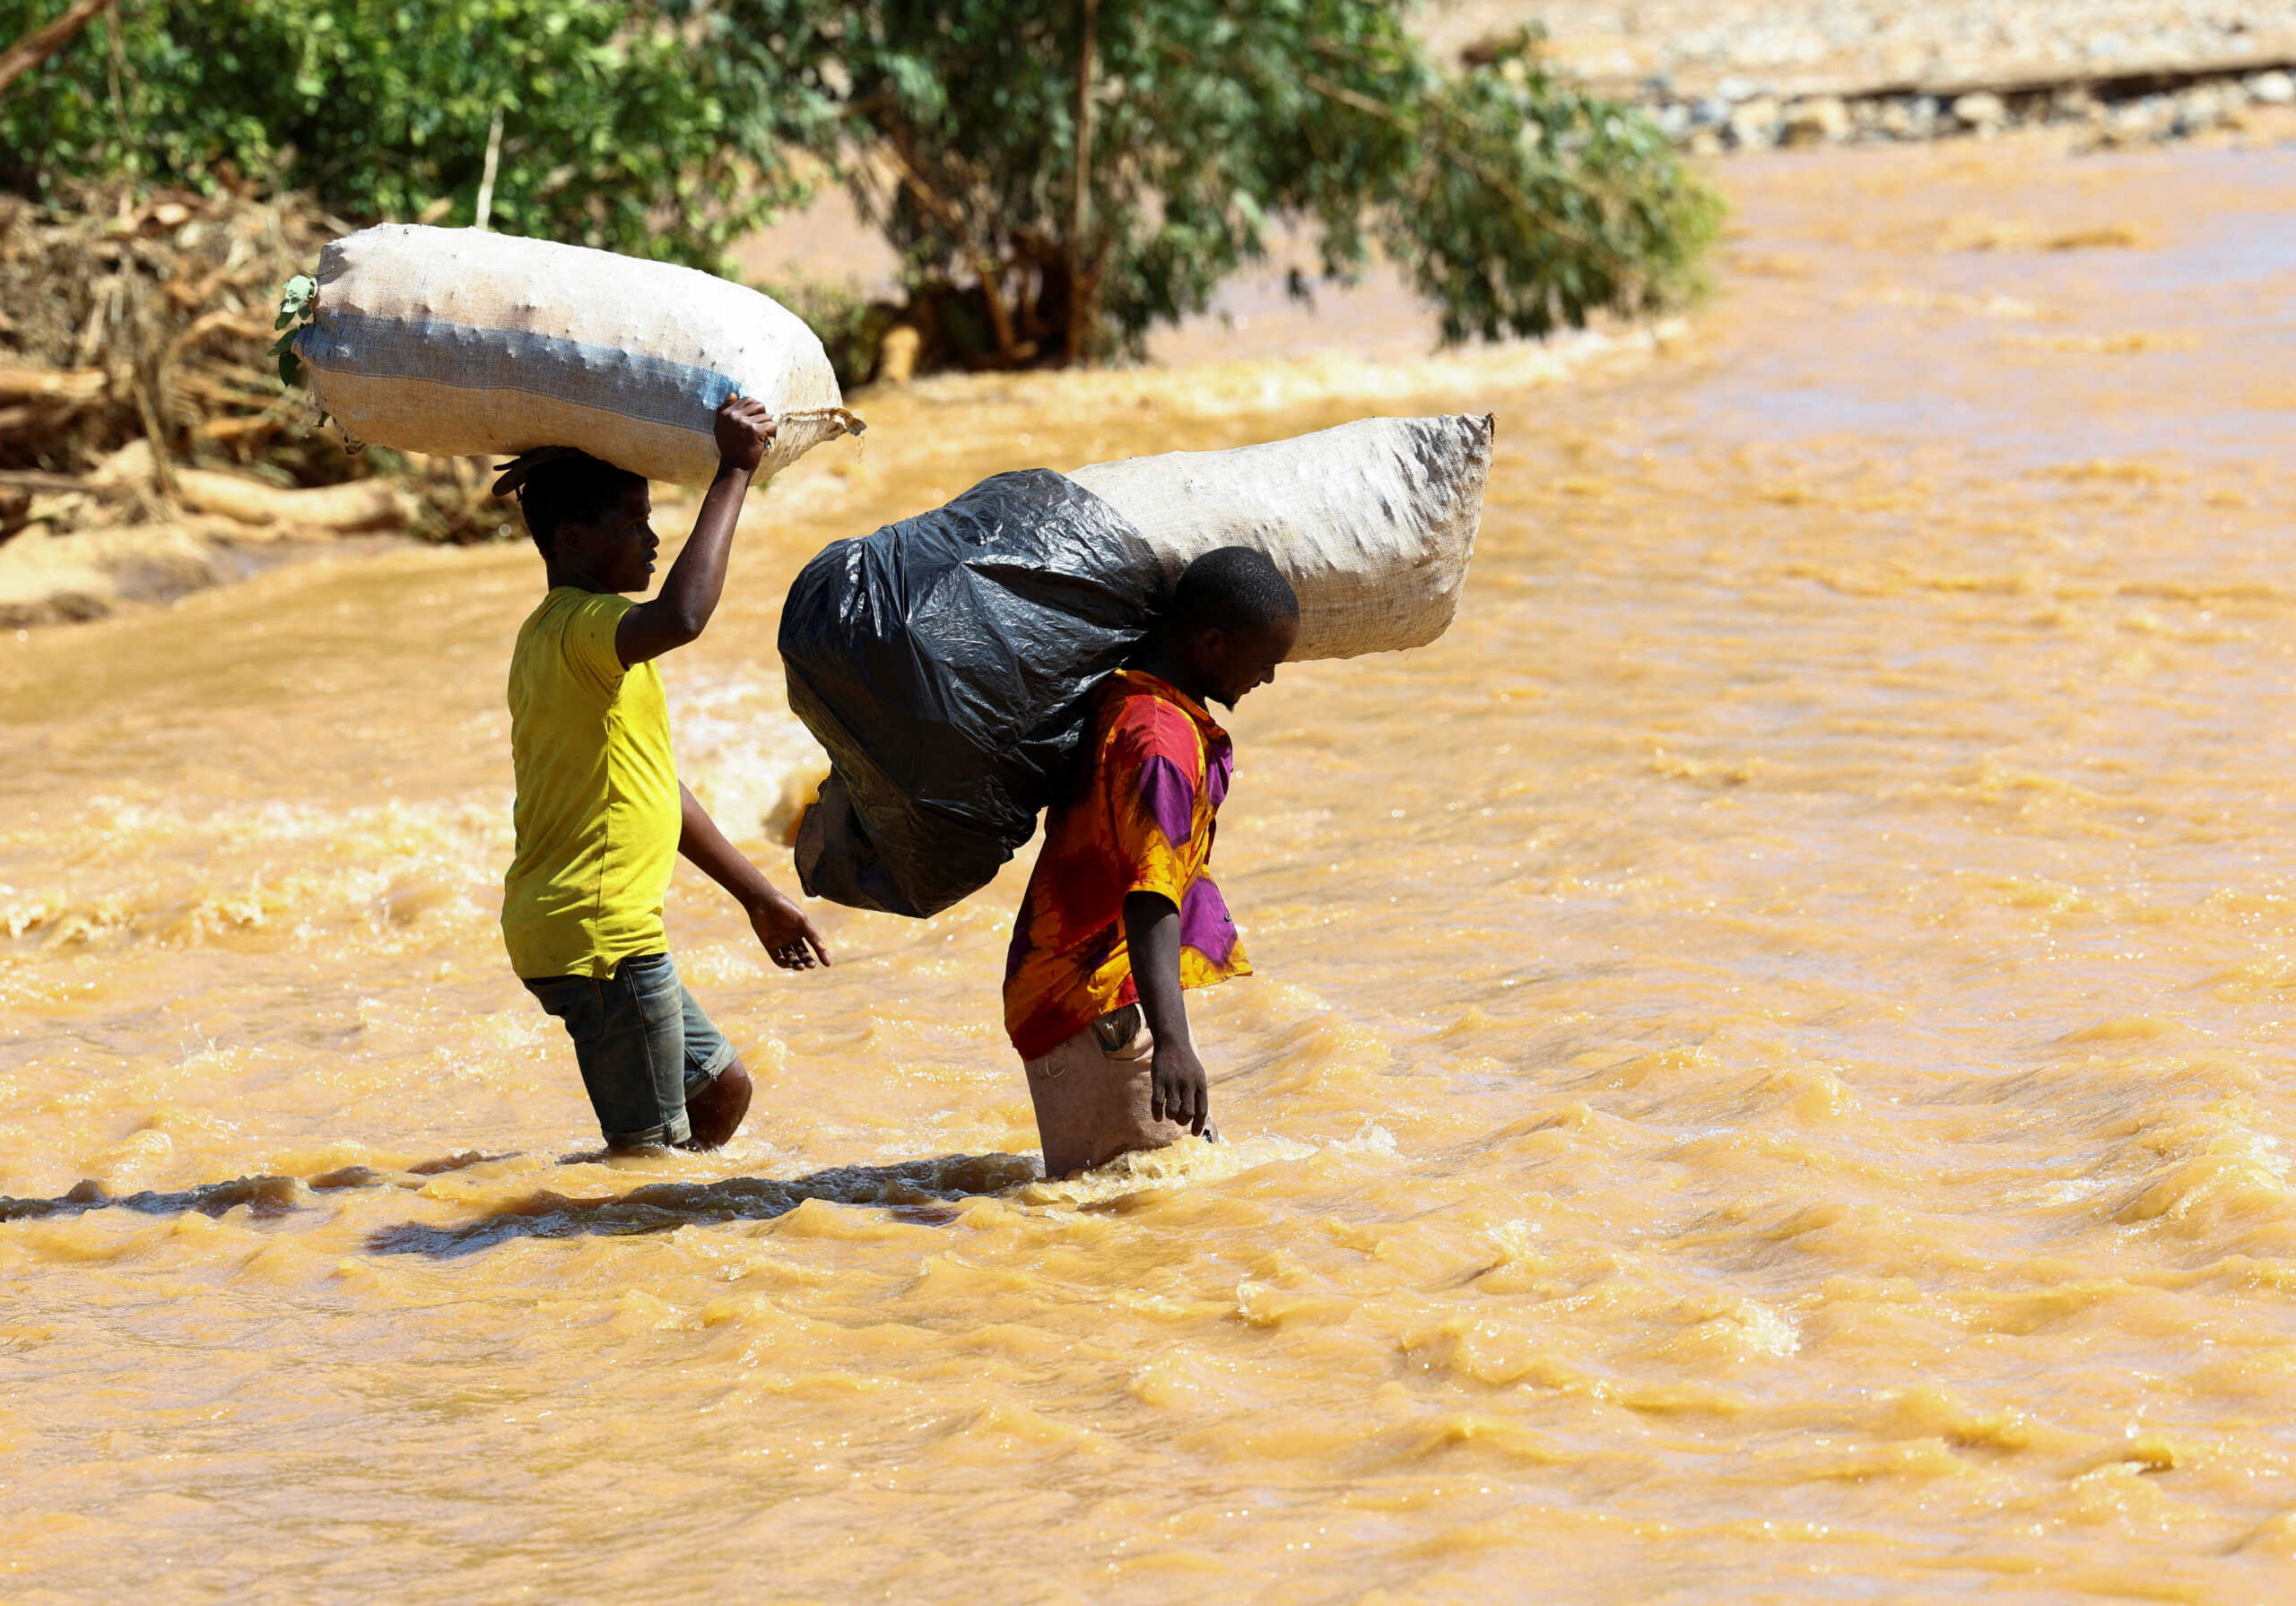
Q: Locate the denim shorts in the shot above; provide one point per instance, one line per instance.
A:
(644, 1046)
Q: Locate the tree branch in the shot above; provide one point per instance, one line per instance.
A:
(983, 265)
(1080, 198)
(1490, 176)
(41, 43)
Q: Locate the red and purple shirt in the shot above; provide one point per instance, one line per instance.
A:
(1143, 822)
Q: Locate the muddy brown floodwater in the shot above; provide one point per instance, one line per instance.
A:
(1768, 1080)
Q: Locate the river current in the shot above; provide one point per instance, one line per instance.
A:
(1769, 1078)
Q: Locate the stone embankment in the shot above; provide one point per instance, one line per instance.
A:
(2116, 108)
(1751, 74)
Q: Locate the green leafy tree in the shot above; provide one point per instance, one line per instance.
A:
(610, 132)
(1058, 179)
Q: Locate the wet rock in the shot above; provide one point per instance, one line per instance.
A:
(2272, 89)
(1820, 120)
(1982, 110)
(2197, 111)
(2143, 119)
(897, 355)
(1753, 124)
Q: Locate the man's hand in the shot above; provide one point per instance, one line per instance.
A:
(1176, 1086)
(744, 429)
(1176, 1089)
(789, 938)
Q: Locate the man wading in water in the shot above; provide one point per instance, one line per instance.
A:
(1121, 915)
(601, 811)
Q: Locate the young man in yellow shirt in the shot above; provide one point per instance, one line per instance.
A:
(601, 812)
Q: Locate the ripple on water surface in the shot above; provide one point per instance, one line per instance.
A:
(1767, 1077)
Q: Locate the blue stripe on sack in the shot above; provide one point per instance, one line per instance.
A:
(651, 390)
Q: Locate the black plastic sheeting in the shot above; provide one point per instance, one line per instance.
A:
(948, 664)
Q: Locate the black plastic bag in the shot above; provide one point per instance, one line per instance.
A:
(948, 663)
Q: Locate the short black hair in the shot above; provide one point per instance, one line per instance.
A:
(1235, 589)
(558, 485)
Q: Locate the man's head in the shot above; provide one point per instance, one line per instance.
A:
(1233, 617)
(590, 520)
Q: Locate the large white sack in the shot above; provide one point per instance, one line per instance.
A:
(1373, 522)
(462, 342)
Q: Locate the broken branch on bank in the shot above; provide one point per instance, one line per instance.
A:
(41, 43)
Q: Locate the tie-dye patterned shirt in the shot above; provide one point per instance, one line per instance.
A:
(1143, 823)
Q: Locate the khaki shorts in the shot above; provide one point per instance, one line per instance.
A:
(1093, 1095)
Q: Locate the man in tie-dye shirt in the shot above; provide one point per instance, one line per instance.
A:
(1121, 914)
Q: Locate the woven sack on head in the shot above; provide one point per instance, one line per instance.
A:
(1373, 522)
(462, 342)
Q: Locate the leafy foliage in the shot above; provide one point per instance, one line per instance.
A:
(849, 323)
(383, 107)
(1518, 203)
(1529, 204)
(296, 313)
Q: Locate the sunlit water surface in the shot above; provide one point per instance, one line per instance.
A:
(1767, 1078)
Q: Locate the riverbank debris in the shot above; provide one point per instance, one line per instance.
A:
(136, 387)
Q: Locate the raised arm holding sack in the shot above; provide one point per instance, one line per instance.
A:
(601, 814)
(602, 373)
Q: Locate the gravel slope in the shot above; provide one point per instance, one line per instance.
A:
(1790, 46)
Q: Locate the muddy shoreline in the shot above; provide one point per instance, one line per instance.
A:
(50, 580)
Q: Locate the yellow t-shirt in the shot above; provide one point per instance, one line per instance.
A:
(597, 813)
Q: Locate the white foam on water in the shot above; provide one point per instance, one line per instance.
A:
(750, 761)
(1188, 1164)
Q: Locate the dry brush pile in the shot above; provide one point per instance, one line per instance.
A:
(136, 384)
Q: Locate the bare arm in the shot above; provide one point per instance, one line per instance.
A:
(680, 610)
(789, 938)
(1178, 1089)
